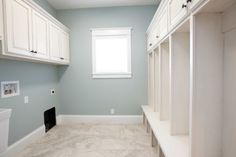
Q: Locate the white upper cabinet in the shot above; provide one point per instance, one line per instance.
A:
(64, 47)
(54, 42)
(32, 34)
(193, 3)
(150, 41)
(163, 22)
(19, 29)
(40, 35)
(169, 14)
(177, 11)
(153, 36)
(59, 44)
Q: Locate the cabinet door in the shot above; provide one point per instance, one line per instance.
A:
(153, 37)
(19, 27)
(150, 42)
(54, 32)
(64, 47)
(156, 33)
(193, 3)
(163, 23)
(177, 11)
(40, 35)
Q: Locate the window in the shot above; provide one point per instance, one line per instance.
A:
(111, 53)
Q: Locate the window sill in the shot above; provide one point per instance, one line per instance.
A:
(112, 76)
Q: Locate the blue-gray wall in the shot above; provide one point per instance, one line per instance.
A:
(79, 93)
(45, 5)
(36, 80)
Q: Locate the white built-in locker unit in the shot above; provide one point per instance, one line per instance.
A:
(191, 48)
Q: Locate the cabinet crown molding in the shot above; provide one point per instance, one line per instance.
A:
(35, 6)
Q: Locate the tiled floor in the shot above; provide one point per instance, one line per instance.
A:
(93, 140)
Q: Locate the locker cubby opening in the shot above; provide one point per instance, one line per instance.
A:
(229, 30)
(151, 82)
(180, 80)
(213, 71)
(165, 81)
(157, 84)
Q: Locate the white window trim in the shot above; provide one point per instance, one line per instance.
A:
(109, 32)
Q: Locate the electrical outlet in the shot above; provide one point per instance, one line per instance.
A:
(26, 99)
(53, 92)
(112, 111)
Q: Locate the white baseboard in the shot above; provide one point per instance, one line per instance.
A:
(69, 119)
(108, 119)
(19, 145)
(59, 119)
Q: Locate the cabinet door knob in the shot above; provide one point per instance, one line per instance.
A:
(35, 52)
(150, 44)
(157, 36)
(32, 51)
(62, 58)
(184, 6)
(189, 1)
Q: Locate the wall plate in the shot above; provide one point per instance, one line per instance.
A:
(10, 89)
(53, 92)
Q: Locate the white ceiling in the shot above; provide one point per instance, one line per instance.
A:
(72, 4)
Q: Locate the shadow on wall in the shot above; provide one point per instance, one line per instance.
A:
(61, 71)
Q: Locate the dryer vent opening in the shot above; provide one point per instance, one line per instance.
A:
(50, 119)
